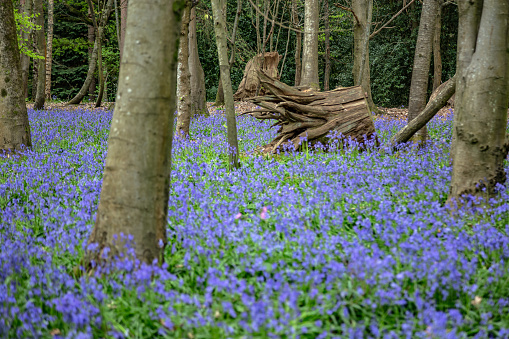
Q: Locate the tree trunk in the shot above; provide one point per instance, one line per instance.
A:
(250, 83)
(198, 91)
(49, 49)
(95, 55)
(135, 189)
(100, 67)
(298, 43)
(91, 41)
(437, 55)
(184, 77)
(438, 100)
(220, 93)
(14, 127)
(363, 10)
(326, 76)
(25, 59)
(302, 113)
(422, 60)
(481, 100)
(123, 20)
(219, 11)
(310, 48)
(41, 50)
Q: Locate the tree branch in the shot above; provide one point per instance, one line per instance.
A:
(388, 22)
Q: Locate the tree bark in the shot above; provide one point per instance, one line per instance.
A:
(100, 70)
(363, 10)
(40, 97)
(422, 61)
(95, 55)
(49, 49)
(135, 189)
(438, 100)
(123, 20)
(198, 91)
(310, 46)
(184, 77)
(481, 144)
(437, 55)
(250, 83)
(219, 11)
(91, 41)
(326, 76)
(14, 127)
(25, 59)
(298, 43)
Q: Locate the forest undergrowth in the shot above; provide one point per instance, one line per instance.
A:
(343, 244)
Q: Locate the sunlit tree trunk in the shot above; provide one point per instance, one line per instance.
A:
(480, 119)
(326, 76)
(184, 77)
(363, 10)
(422, 61)
(91, 54)
(198, 91)
(40, 97)
(219, 11)
(14, 127)
(136, 181)
(123, 20)
(25, 59)
(49, 49)
(309, 75)
(298, 42)
(437, 55)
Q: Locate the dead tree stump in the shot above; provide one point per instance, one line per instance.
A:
(250, 83)
(302, 113)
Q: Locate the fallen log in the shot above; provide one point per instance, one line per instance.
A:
(302, 113)
(437, 100)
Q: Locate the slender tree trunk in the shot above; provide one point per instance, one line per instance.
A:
(100, 71)
(219, 10)
(117, 23)
(422, 61)
(49, 49)
(14, 127)
(437, 55)
(298, 42)
(135, 189)
(95, 54)
(310, 48)
(91, 41)
(184, 77)
(257, 24)
(25, 59)
(41, 50)
(123, 20)
(480, 124)
(363, 10)
(326, 76)
(198, 91)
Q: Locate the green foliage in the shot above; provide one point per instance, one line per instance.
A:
(25, 24)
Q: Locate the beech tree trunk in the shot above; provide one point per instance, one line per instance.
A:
(14, 127)
(123, 20)
(298, 42)
(41, 50)
(480, 122)
(219, 11)
(49, 49)
(184, 77)
(437, 55)
(309, 75)
(91, 41)
(422, 61)
(326, 76)
(301, 113)
(25, 59)
(363, 10)
(95, 55)
(198, 91)
(135, 189)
